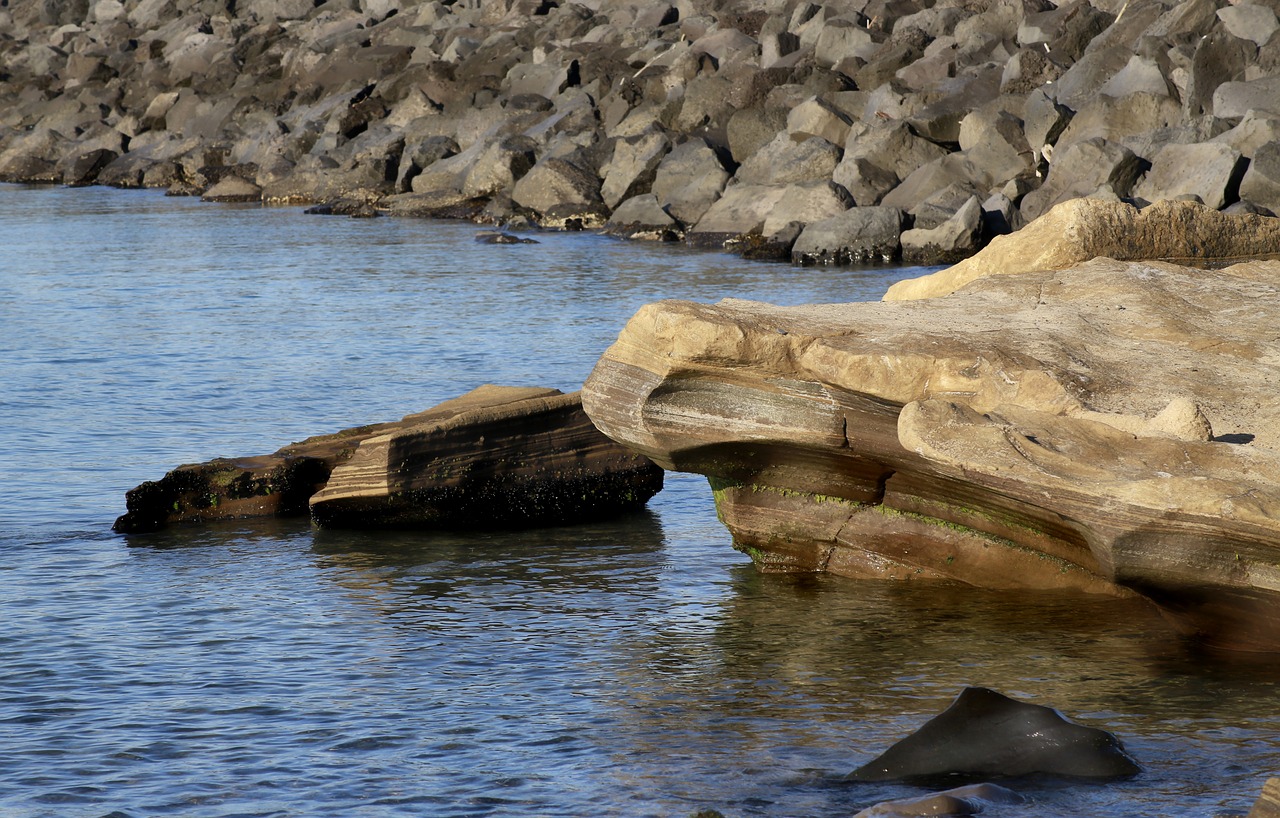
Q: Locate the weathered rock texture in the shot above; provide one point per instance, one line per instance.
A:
(564, 112)
(1108, 427)
(496, 456)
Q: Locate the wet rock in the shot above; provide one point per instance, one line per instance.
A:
(82, 169)
(561, 192)
(984, 734)
(1210, 172)
(502, 238)
(641, 217)
(743, 209)
(971, 799)
(957, 238)
(497, 456)
(860, 234)
(233, 189)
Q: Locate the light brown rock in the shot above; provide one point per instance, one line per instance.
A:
(1081, 229)
(1107, 428)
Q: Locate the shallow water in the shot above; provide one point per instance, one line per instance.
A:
(633, 668)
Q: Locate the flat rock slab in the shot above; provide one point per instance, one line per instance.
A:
(494, 457)
(497, 455)
(1109, 428)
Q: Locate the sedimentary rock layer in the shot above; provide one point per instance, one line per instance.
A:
(1108, 427)
(491, 458)
(496, 456)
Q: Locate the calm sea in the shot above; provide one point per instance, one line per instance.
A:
(636, 668)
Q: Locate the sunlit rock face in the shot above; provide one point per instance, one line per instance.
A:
(1108, 428)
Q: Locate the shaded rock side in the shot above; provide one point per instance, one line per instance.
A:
(1107, 428)
(984, 734)
(496, 457)
(1081, 229)
(283, 483)
(274, 485)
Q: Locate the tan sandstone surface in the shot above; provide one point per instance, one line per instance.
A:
(1109, 427)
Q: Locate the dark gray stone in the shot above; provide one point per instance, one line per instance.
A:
(860, 234)
(984, 734)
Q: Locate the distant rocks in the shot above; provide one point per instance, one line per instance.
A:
(496, 456)
(744, 126)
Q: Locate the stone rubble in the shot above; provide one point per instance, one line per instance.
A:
(724, 124)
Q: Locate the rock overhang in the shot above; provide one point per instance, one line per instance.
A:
(1104, 427)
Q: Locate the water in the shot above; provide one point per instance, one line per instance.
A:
(634, 668)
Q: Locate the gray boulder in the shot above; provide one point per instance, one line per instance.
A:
(562, 194)
(1080, 169)
(860, 234)
(1261, 182)
(1209, 171)
(805, 203)
(1115, 118)
(634, 164)
(742, 210)
(689, 180)
(641, 217)
(1250, 22)
(866, 181)
(1235, 99)
(784, 162)
(957, 238)
(1218, 58)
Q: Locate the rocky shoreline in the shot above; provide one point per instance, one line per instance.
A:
(855, 131)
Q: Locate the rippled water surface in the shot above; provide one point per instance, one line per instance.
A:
(635, 668)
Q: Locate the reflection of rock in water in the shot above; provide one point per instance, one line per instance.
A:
(408, 569)
(984, 734)
(967, 800)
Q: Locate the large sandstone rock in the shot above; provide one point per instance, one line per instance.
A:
(1106, 428)
(1081, 229)
(497, 456)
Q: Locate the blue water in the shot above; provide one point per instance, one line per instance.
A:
(634, 668)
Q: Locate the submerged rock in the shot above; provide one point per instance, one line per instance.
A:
(497, 455)
(984, 734)
(970, 799)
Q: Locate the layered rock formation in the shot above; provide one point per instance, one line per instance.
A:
(496, 456)
(1107, 427)
(761, 125)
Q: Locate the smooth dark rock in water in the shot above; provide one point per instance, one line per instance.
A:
(984, 734)
(502, 238)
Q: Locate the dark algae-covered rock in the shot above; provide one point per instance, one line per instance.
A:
(497, 456)
(984, 734)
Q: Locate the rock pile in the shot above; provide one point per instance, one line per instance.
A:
(846, 130)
